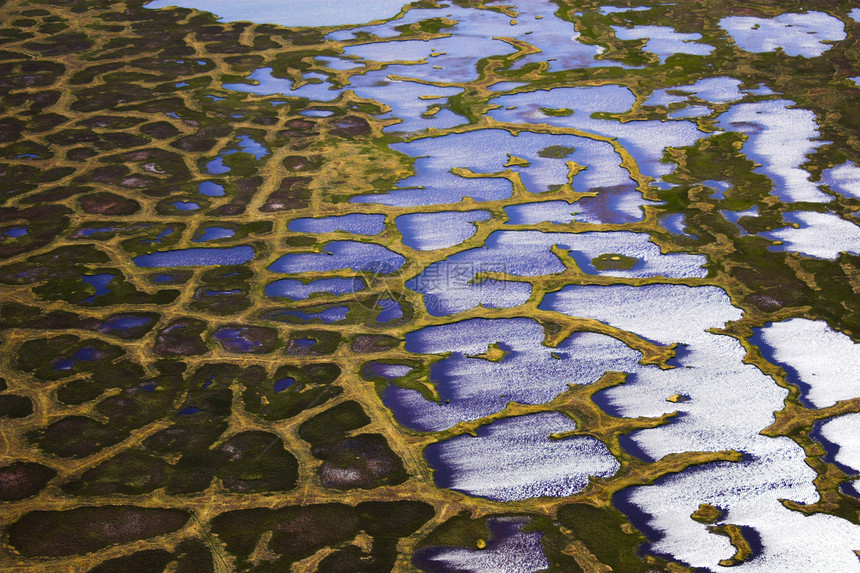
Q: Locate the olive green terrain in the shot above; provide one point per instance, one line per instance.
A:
(97, 143)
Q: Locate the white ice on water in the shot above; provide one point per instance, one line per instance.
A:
(780, 138)
(664, 41)
(821, 235)
(730, 403)
(472, 387)
(808, 35)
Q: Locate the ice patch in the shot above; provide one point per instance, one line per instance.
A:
(780, 139)
(797, 34)
(664, 41)
(825, 363)
(820, 235)
(515, 458)
(439, 230)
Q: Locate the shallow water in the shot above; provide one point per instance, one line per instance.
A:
(266, 84)
(196, 257)
(716, 90)
(614, 205)
(213, 234)
(664, 41)
(530, 373)
(780, 138)
(297, 290)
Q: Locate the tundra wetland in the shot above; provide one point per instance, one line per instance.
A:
(449, 285)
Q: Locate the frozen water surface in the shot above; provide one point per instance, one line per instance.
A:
(472, 387)
(821, 235)
(508, 550)
(488, 151)
(730, 402)
(780, 138)
(430, 231)
(293, 13)
(357, 223)
(823, 362)
(664, 41)
(797, 34)
(515, 458)
(844, 179)
(716, 90)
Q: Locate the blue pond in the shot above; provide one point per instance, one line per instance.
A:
(391, 310)
(283, 384)
(186, 205)
(98, 282)
(236, 340)
(16, 232)
(429, 231)
(196, 257)
(121, 323)
(266, 84)
(341, 255)
(213, 234)
(211, 189)
(85, 354)
(295, 289)
(358, 223)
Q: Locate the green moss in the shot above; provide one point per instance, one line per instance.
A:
(552, 112)
(613, 262)
(556, 151)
